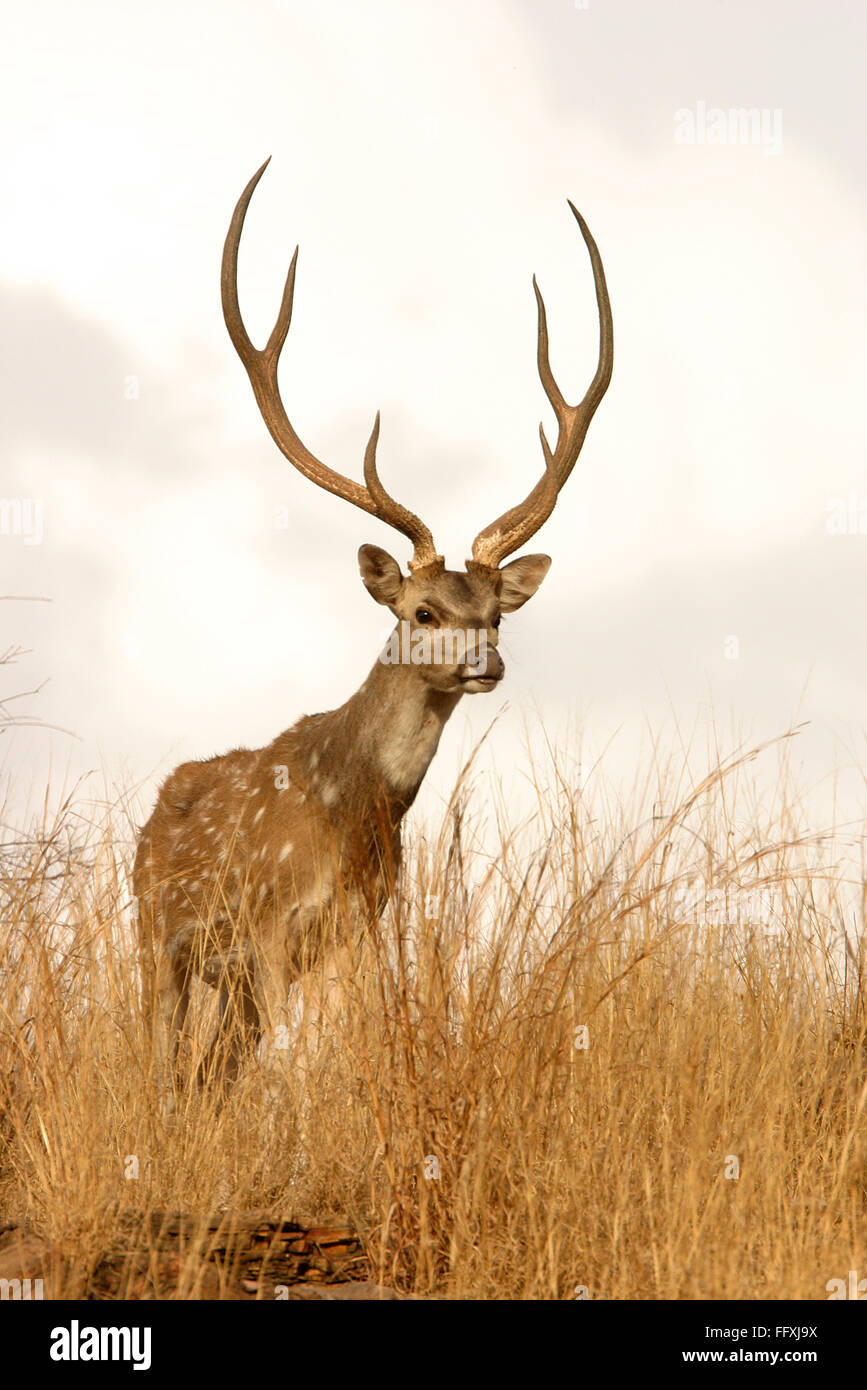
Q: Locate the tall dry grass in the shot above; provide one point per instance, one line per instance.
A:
(618, 1046)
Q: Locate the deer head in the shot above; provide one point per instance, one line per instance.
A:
(431, 598)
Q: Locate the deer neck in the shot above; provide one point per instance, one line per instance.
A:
(373, 752)
(398, 720)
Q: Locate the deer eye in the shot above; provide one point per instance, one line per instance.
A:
(423, 615)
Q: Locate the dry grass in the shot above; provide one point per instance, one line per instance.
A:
(480, 1141)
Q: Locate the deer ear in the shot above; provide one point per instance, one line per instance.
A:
(381, 574)
(520, 579)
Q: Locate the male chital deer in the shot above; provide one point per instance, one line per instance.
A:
(250, 858)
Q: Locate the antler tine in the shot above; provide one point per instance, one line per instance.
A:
(261, 367)
(425, 551)
(516, 526)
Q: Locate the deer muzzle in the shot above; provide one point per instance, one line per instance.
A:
(485, 673)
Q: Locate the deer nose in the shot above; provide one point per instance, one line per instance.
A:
(492, 670)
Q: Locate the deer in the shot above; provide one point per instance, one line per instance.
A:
(252, 857)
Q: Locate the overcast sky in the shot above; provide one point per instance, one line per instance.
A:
(709, 550)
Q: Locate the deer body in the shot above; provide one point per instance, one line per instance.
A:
(251, 860)
(281, 838)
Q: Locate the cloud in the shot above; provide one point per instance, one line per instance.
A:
(422, 157)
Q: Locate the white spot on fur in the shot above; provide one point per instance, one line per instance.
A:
(285, 851)
(259, 814)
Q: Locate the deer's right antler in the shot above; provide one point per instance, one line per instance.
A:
(261, 367)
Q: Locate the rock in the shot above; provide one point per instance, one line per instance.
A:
(165, 1255)
(357, 1289)
(30, 1267)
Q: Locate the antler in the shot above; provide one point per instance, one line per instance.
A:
(516, 526)
(261, 366)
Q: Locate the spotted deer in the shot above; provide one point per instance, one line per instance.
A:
(250, 858)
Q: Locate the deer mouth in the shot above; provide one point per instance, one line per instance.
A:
(474, 684)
